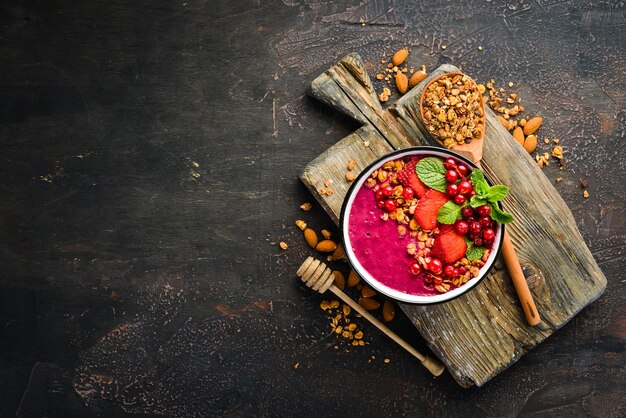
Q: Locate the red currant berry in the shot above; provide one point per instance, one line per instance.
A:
(428, 279)
(451, 176)
(471, 194)
(489, 234)
(449, 271)
(462, 169)
(478, 241)
(467, 212)
(465, 187)
(483, 210)
(380, 204)
(390, 205)
(408, 193)
(437, 280)
(435, 266)
(462, 270)
(485, 222)
(457, 272)
(461, 227)
(449, 164)
(472, 236)
(415, 268)
(459, 199)
(475, 227)
(387, 190)
(379, 195)
(452, 190)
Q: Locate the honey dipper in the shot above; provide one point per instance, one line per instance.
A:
(319, 277)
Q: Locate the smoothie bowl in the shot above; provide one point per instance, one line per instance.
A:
(418, 225)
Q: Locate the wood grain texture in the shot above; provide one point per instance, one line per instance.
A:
(483, 332)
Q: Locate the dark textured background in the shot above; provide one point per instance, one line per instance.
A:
(134, 281)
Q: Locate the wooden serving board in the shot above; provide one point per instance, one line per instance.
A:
(480, 334)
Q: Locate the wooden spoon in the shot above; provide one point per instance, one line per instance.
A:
(316, 275)
(474, 152)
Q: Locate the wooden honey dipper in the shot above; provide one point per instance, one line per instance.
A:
(319, 277)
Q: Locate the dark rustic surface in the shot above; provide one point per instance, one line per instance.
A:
(135, 282)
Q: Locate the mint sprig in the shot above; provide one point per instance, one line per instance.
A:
(449, 213)
(432, 173)
(473, 251)
(489, 195)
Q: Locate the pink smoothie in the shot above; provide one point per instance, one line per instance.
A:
(380, 249)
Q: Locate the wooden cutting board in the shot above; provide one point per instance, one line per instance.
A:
(480, 334)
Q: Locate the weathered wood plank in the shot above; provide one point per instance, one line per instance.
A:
(483, 332)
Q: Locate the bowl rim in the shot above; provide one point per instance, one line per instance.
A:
(377, 285)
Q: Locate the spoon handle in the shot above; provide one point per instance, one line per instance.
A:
(519, 281)
(433, 365)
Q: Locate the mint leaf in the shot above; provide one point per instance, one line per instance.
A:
(473, 252)
(480, 184)
(499, 215)
(476, 201)
(431, 172)
(449, 213)
(497, 193)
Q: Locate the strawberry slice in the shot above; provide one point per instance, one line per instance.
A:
(449, 245)
(427, 208)
(408, 177)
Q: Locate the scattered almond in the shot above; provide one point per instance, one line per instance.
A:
(340, 280)
(369, 304)
(389, 311)
(531, 143)
(518, 134)
(416, 78)
(368, 292)
(402, 84)
(532, 125)
(338, 253)
(399, 57)
(503, 121)
(310, 237)
(353, 279)
(326, 246)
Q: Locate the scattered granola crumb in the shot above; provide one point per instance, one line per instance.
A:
(384, 96)
(387, 360)
(306, 206)
(480, 48)
(443, 46)
(295, 366)
(380, 76)
(326, 233)
(327, 182)
(557, 152)
(559, 179)
(350, 176)
(351, 164)
(283, 245)
(301, 224)
(585, 194)
(329, 191)
(546, 141)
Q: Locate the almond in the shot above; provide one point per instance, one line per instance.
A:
(532, 125)
(399, 57)
(531, 143)
(338, 254)
(340, 280)
(389, 311)
(504, 122)
(326, 246)
(310, 237)
(402, 83)
(416, 78)
(369, 304)
(353, 279)
(368, 292)
(518, 134)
